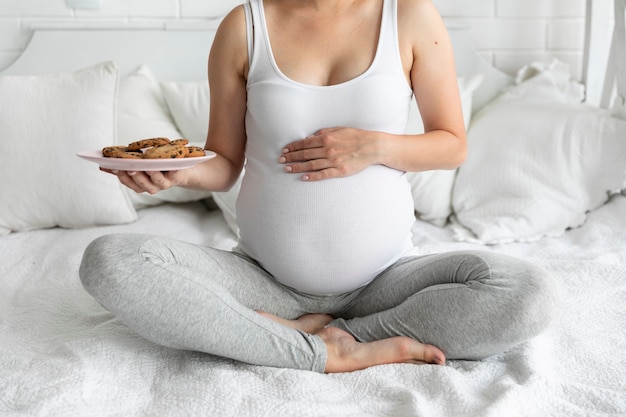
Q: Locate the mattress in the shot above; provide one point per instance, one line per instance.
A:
(62, 354)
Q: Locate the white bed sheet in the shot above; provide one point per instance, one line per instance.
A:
(61, 354)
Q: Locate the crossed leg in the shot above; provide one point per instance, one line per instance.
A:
(345, 353)
(179, 295)
(469, 304)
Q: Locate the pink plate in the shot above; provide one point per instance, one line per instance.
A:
(144, 164)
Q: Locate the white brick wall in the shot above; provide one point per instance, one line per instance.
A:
(509, 33)
(512, 33)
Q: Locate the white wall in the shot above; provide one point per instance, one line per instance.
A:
(509, 33)
(512, 33)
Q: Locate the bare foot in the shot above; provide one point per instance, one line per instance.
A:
(309, 323)
(345, 354)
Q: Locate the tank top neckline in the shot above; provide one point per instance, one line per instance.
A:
(364, 74)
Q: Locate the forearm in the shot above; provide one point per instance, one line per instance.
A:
(217, 174)
(437, 149)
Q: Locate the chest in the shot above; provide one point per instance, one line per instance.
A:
(324, 51)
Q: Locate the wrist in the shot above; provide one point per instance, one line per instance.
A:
(383, 152)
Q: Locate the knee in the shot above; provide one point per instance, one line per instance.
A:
(541, 298)
(529, 293)
(538, 300)
(99, 260)
(94, 262)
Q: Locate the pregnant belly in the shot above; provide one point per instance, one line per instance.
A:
(326, 237)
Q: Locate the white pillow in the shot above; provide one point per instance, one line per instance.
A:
(143, 114)
(189, 104)
(142, 110)
(432, 190)
(536, 168)
(551, 82)
(44, 121)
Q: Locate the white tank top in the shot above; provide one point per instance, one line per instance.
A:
(331, 236)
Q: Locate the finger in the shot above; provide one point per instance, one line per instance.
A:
(322, 175)
(127, 181)
(316, 140)
(158, 179)
(326, 130)
(308, 166)
(303, 155)
(143, 181)
(313, 141)
(174, 177)
(109, 171)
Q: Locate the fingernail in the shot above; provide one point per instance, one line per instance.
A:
(305, 178)
(288, 169)
(131, 173)
(115, 172)
(282, 160)
(285, 150)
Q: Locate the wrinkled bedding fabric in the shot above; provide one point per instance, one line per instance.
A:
(61, 354)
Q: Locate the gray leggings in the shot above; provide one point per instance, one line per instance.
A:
(470, 304)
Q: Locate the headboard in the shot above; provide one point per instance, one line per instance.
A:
(181, 55)
(171, 54)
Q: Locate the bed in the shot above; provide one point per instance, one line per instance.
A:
(543, 182)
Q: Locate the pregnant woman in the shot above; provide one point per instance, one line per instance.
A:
(314, 96)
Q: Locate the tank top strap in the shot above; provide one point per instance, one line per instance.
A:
(388, 58)
(258, 42)
(249, 29)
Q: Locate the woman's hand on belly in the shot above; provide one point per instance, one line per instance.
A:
(331, 153)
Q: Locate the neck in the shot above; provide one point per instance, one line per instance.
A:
(328, 6)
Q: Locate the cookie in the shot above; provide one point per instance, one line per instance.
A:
(147, 143)
(165, 152)
(179, 142)
(110, 150)
(128, 155)
(193, 151)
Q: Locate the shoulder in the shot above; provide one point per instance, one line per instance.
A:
(420, 26)
(233, 26)
(417, 9)
(419, 19)
(230, 42)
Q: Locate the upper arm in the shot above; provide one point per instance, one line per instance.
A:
(433, 72)
(227, 69)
